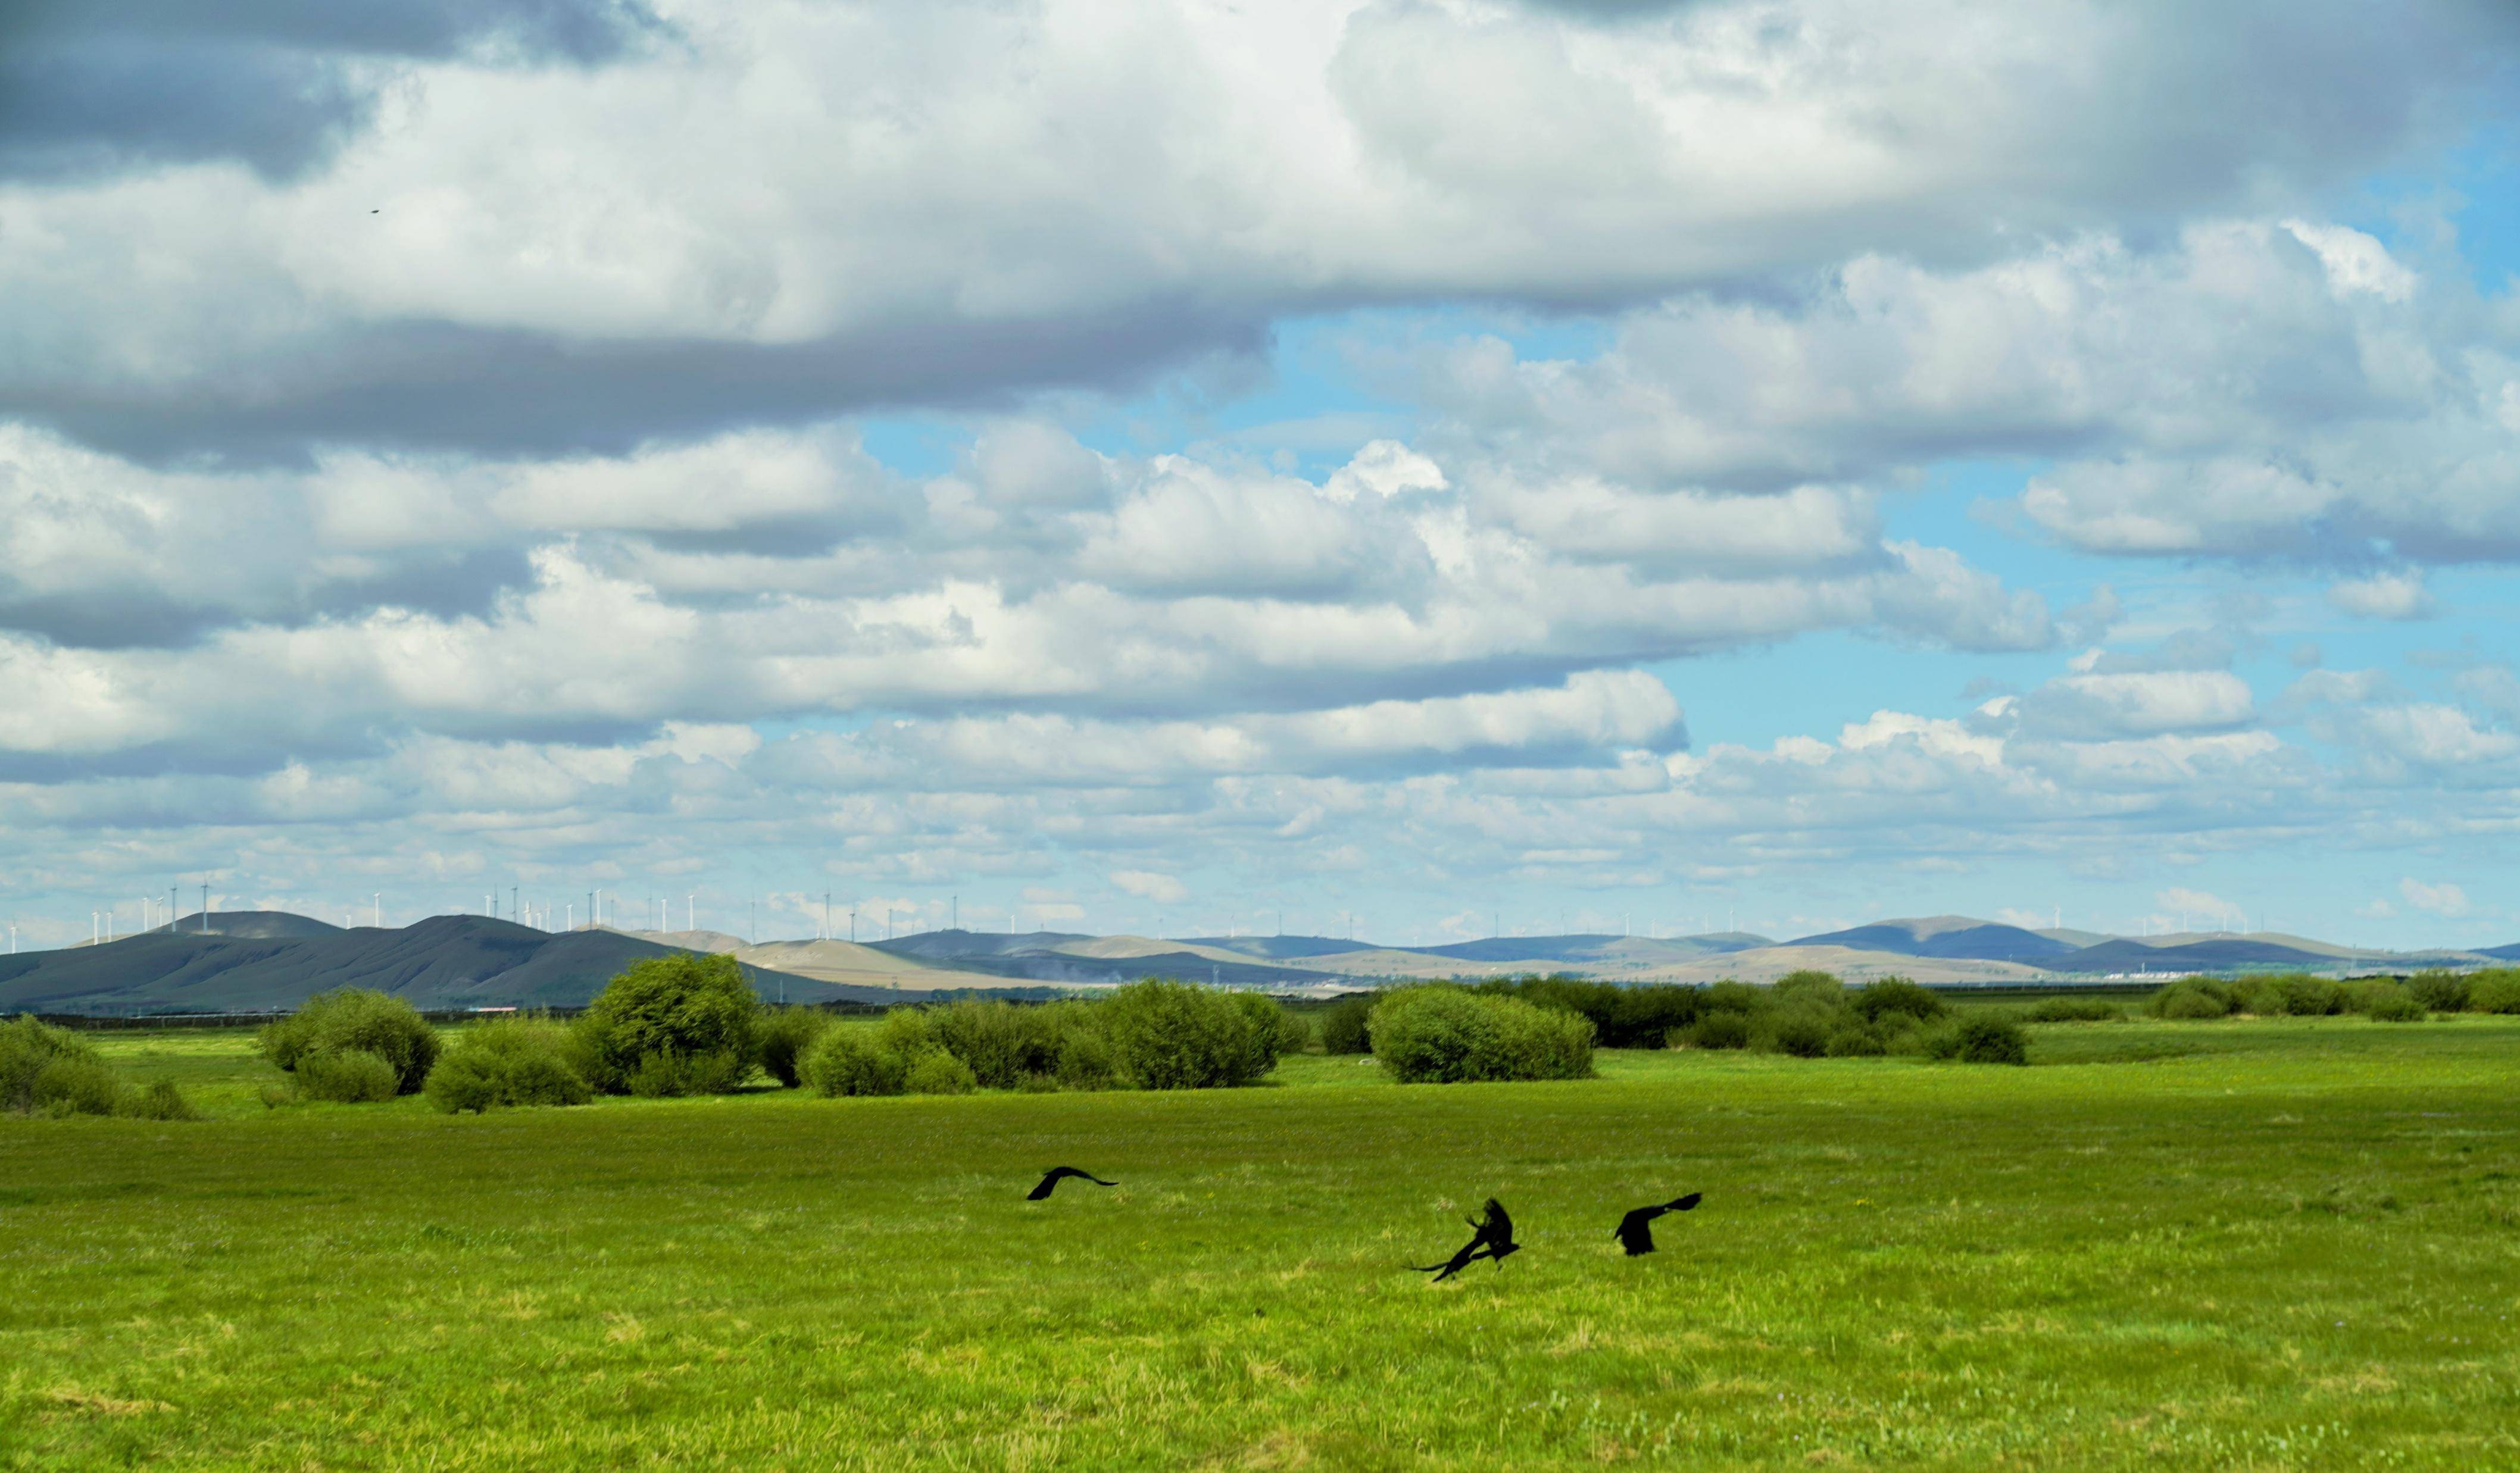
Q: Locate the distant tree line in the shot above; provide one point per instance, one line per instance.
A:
(1806, 1015)
(2299, 995)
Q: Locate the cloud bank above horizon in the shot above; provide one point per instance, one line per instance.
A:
(1163, 465)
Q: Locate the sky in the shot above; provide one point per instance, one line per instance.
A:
(1419, 466)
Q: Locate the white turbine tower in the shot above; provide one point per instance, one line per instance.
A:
(378, 901)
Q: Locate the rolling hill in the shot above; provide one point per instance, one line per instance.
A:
(258, 925)
(1061, 959)
(446, 961)
(2214, 954)
(1956, 937)
(253, 961)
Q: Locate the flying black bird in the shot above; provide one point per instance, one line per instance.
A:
(1635, 1231)
(1056, 1174)
(1490, 1238)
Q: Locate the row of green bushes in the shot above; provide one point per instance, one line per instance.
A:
(691, 1025)
(2299, 995)
(51, 1071)
(1812, 1014)
(1149, 1035)
(1808, 1015)
(669, 1025)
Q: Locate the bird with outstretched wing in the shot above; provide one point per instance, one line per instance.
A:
(1635, 1231)
(1490, 1238)
(1058, 1174)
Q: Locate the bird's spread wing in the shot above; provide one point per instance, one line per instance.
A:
(1042, 1190)
(1454, 1265)
(1499, 1229)
(1684, 1204)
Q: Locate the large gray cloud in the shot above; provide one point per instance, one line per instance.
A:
(795, 212)
(90, 87)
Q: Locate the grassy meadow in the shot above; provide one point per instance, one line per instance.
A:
(2248, 1244)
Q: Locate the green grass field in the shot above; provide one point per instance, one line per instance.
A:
(2287, 1244)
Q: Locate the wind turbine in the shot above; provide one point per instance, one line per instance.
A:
(378, 901)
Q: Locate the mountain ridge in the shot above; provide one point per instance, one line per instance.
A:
(254, 960)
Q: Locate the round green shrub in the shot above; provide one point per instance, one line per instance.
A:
(786, 1033)
(2308, 996)
(1432, 1033)
(675, 1024)
(27, 1046)
(1444, 1035)
(2254, 996)
(2190, 997)
(1343, 1025)
(1896, 995)
(507, 1061)
(348, 1075)
(937, 1072)
(76, 1087)
(848, 1060)
(1271, 1028)
(1985, 1039)
(1174, 1036)
(1718, 1030)
(355, 1019)
(464, 1079)
(159, 1100)
(1001, 1043)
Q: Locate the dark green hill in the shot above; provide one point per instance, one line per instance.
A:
(446, 961)
(1947, 936)
(261, 925)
